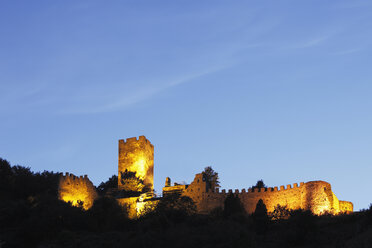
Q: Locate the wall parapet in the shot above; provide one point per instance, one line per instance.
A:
(76, 189)
(134, 140)
(260, 190)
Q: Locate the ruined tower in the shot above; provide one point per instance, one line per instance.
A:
(79, 191)
(136, 155)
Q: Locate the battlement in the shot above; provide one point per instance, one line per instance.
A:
(134, 140)
(261, 190)
(70, 176)
(316, 196)
(346, 206)
(76, 190)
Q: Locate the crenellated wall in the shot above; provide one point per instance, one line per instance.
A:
(346, 206)
(316, 196)
(137, 155)
(77, 190)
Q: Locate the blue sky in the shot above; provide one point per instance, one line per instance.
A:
(272, 90)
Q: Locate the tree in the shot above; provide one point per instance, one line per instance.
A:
(107, 214)
(261, 210)
(6, 179)
(177, 202)
(111, 183)
(259, 184)
(280, 212)
(173, 208)
(211, 178)
(233, 205)
(131, 182)
(260, 217)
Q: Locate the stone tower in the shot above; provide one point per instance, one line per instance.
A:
(137, 156)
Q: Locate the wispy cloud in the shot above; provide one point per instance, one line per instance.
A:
(316, 41)
(348, 51)
(20, 94)
(119, 102)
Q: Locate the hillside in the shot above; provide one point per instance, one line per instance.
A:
(32, 216)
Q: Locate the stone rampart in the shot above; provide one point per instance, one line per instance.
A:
(346, 206)
(80, 191)
(139, 205)
(316, 196)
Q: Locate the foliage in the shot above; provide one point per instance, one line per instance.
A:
(175, 204)
(280, 212)
(233, 205)
(132, 183)
(261, 210)
(107, 214)
(259, 184)
(111, 183)
(260, 217)
(20, 182)
(303, 225)
(32, 216)
(211, 178)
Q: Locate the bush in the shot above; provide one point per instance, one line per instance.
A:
(260, 217)
(174, 207)
(280, 212)
(233, 205)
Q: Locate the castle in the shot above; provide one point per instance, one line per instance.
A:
(136, 157)
(316, 196)
(80, 191)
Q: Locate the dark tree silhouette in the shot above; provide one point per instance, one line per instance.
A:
(211, 178)
(20, 182)
(280, 213)
(177, 202)
(107, 214)
(132, 183)
(233, 205)
(111, 183)
(261, 210)
(172, 208)
(260, 217)
(259, 184)
(303, 224)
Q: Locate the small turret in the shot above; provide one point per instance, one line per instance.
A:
(167, 182)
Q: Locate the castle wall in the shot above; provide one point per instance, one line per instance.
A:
(196, 191)
(316, 196)
(319, 197)
(137, 156)
(137, 206)
(290, 197)
(346, 206)
(77, 190)
(178, 189)
(130, 205)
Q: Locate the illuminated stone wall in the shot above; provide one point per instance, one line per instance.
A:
(77, 190)
(346, 206)
(196, 191)
(130, 205)
(138, 206)
(316, 196)
(137, 156)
